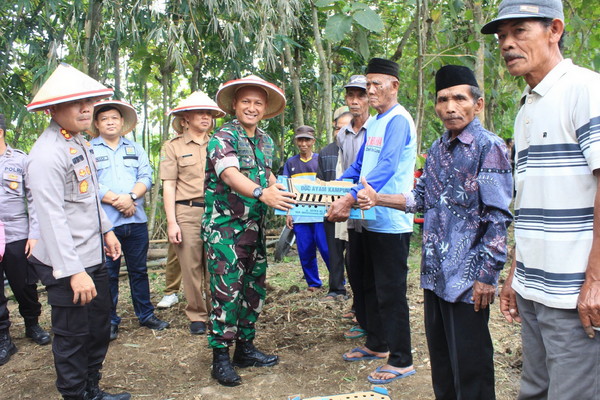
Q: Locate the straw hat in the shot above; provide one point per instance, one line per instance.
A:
(127, 112)
(196, 101)
(67, 84)
(275, 96)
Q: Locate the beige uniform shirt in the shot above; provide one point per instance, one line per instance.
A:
(64, 185)
(183, 159)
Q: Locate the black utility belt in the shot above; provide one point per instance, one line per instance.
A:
(190, 203)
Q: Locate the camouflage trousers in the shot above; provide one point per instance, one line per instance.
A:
(238, 287)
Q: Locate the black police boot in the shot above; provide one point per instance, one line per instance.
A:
(7, 347)
(34, 331)
(93, 391)
(246, 355)
(222, 370)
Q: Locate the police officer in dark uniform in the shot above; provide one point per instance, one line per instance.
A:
(69, 258)
(22, 233)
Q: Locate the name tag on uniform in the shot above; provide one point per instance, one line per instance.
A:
(130, 150)
(102, 158)
(130, 157)
(77, 159)
(186, 155)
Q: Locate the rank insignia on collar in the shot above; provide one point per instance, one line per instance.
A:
(13, 185)
(88, 144)
(72, 150)
(83, 187)
(87, 170)
(82, 172)
(65, 134)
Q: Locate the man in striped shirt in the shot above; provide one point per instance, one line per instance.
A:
(553, 287)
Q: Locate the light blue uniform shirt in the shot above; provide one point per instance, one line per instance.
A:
(118, 171)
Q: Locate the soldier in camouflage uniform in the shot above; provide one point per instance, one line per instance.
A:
(239, 188)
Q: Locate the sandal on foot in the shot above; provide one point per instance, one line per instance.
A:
(365, 355)
(397, 375)
(355, 333)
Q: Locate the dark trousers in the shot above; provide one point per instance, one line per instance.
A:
(16, 268)
(134, 244)
(337, 249)
(81, 333)
(309, 237)
(460, 349)
(356, 259)
(384, 273)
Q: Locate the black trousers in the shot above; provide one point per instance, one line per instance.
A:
(460, 350)
(337, 249)
(383, 274)
(17, 271)
(356, 259)
(81, 333)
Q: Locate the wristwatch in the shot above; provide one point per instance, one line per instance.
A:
(257, 192)
(133, 196)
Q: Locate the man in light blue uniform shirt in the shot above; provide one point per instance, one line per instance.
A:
(386, 160)
(124, 174)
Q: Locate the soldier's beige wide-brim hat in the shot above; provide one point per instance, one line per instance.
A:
(196, 101)
(127, 112)
(275, 96)
(67, 84)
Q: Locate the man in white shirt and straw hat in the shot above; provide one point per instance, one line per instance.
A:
(125, 175)
(239, 189)
(69, 258)
(182, 165)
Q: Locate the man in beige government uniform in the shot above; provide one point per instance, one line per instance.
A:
(183, 161)
(69, 257)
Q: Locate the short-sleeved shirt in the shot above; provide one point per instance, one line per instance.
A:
(63, 179)
(183, 159)
(18, 215)
(557, 140)
(119, 170)
(227, 213)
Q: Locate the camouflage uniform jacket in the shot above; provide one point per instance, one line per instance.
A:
(227, 214)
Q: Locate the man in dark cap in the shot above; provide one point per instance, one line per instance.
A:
(553, 287)
(465, 192)
(380, 247)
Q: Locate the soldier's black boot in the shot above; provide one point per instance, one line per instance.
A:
(93, 391)
(222, 370)
(34, 331)
(246, 355)
(7, 347)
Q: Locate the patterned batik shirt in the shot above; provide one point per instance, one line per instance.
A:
(227, 214)
(465, 192)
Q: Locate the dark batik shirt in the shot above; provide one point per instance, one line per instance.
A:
(465, 192)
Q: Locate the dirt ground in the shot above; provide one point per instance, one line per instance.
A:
(305, 332)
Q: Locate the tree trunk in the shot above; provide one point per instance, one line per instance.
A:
(295, 80)
(421, 49)
(480, 59)
(117, 63)
(94, 19)
(327, 112)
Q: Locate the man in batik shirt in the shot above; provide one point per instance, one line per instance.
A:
(465, 192)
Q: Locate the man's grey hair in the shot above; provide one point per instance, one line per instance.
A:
(476, 93)
(345, 113)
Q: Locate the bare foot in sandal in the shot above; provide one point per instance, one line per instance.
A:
(363, 353)
(387, 373)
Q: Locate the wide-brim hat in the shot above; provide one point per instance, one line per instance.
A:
(196, 101)
(516, 9)
(127, 112)
(66, 84)
(275, 96)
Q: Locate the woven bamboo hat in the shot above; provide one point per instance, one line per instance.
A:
(127, 112)
(275, 96)
(196, 101)
(67, 84)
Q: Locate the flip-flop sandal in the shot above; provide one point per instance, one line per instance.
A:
(365, 355)
(348, 315)
(355, 333)
(397, 375)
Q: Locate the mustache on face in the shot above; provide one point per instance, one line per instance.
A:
(511, 56)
